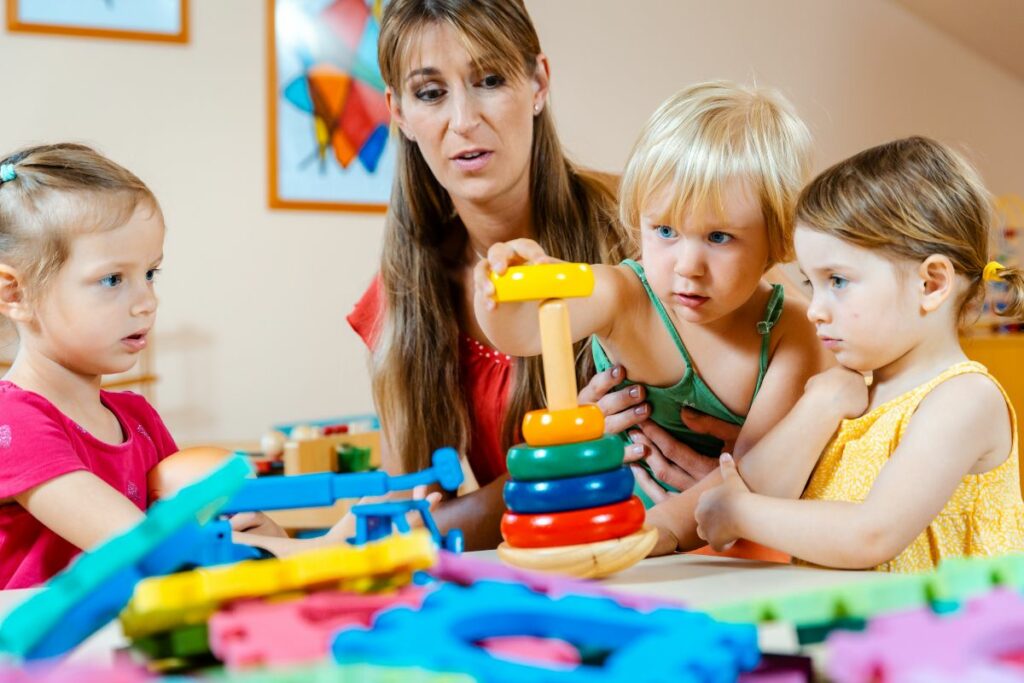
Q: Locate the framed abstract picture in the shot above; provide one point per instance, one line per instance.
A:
(328, 144)
(160, 20)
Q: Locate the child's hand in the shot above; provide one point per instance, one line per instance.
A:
(715, 514)
(840, 389)
(257, 523)
(499, 257)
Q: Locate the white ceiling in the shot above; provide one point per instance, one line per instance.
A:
(992, 28)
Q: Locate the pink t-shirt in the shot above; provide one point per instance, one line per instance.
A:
(39, 443)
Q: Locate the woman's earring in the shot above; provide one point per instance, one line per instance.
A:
(536, 109)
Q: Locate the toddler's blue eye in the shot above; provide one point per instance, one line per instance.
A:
(151, 274)
(719, 237)
(665, 232)
(112, 280)
(839, 282)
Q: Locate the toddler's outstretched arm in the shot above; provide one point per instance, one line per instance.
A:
(512, 327)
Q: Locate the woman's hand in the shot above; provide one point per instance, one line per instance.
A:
(500, 257)
(622, 409)
(716, 509)
(840, 390)
(672, 461)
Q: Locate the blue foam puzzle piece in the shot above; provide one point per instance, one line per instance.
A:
(662, 645)
(96, 586)
(569, 493)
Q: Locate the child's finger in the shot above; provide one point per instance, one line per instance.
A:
(244, 520)
(527, 251)
(728, 466)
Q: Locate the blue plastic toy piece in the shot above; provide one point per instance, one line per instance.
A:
(570, 493)
(370, 419)
(97, 585)
(652, 647)
(214, 546)
(324, 489)
(375, 521)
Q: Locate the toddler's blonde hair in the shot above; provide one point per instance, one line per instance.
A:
(710, 134)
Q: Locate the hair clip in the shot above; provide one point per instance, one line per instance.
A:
(7, 173)
(990, 273)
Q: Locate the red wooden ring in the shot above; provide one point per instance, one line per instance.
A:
(574, 527)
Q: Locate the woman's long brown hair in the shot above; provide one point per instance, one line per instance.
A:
(417, 383)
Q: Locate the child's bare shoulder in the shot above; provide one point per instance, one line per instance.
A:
(973, 406)
(793, 328)
(972, 396)
(621, 280)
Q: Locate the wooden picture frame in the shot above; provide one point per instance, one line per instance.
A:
(154, 20)
(328, 142)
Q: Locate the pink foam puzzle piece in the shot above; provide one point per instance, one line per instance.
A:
(466, 570)
(551, 652)
(264, 633)
(49, 672)
(919, 643)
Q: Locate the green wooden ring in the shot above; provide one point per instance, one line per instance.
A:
(530, 463)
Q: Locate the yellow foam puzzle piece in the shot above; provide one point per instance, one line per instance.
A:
(165, 602)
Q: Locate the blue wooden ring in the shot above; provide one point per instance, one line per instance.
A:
(537, 463)
(571, 493)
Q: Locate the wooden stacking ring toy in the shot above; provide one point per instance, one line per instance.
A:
(573, 527)
(585, 561)
(557, 427)
(543, 281)
(570, 493)
(529, 463)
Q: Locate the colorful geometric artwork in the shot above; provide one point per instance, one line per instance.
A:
(328, 117)
(160, 20)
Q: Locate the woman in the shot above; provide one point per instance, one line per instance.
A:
(479, 162)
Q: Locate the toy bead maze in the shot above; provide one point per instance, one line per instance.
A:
(571, 507)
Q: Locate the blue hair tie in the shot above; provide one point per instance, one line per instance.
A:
(7, 173)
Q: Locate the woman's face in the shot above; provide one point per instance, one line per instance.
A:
(474, 128)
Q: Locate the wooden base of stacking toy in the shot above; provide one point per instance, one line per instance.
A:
(586, 560)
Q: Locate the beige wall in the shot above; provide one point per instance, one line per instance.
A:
(251, 325)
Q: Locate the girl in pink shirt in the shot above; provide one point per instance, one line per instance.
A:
(81, 240)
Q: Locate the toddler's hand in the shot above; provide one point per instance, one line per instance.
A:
(257, 523)
(840, 389)
(716, 522)
(500, 257)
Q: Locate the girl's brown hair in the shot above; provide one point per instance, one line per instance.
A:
(56, 192)
(912, 198)
(415, 366)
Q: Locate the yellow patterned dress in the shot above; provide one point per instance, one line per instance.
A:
(984, 517)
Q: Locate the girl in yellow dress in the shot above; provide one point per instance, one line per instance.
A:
(922, 464)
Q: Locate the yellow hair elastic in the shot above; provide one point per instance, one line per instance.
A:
(990, 274)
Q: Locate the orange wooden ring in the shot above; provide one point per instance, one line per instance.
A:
(556, 427)
(574, 527)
